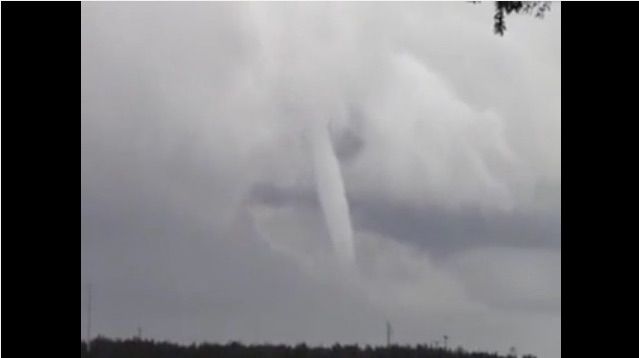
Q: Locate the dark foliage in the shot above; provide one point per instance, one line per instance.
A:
(503, 8)
(136, 348)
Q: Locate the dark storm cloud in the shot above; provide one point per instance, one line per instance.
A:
(348, 141)
(439, 230)
(347, 145)
(443, 231)
(269, 194)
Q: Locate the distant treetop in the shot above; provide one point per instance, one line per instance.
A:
(135, 348)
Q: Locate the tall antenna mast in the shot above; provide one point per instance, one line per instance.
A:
(89, 318)
(389, 332)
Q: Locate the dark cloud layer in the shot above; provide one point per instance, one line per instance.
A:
(440, 231)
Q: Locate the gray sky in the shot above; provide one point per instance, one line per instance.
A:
(201, 218)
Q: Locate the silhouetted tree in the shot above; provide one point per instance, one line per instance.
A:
(503, 8)
(136, 348)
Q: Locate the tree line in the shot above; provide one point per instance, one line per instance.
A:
(139, 348)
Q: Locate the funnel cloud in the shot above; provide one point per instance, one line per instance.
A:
(331, 193)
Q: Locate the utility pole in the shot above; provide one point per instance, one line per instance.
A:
(445, 342)
(389, 332)
(139, 333)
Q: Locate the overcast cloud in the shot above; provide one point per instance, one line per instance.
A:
(200, 211)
